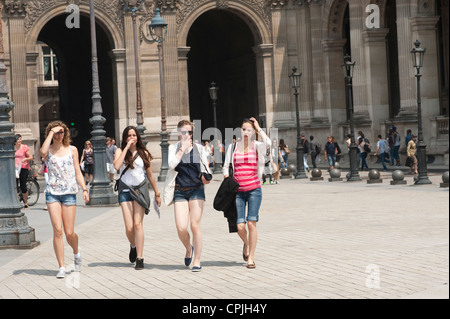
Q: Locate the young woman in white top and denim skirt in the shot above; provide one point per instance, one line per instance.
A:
(191, 163)
(64, 172)
(247, 160)
(133, 213)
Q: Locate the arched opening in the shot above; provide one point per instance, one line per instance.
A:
(221, 51)
(65, 77)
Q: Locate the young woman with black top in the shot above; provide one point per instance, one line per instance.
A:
(190, 161)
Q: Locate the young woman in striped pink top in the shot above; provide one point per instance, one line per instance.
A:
(248, 162)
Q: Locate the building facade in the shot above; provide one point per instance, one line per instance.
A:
(248, 48)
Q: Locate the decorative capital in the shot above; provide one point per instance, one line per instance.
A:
(278, 3)
(167, 5)
(16, 7)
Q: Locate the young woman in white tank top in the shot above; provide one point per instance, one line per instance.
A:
(133, 213)
(64, 172)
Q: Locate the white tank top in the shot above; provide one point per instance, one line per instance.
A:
(134, 176)
(61, 174)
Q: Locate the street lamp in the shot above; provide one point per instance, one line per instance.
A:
(158, 32)
(14, 229)
(348, 68)
(417, 55)
(295, 77)
(213, 89)
(132, 6)
(100, 193)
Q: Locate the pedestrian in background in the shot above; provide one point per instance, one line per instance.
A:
(381, 150)
(23, 158)
(396, 147)
(133, 161)
(284, 151)
(365, 150)
(306, 150)
(190, 163)
(411, 152)
(330, 152)
(88, 157)
(247, 162)
(110, 152)
(313, 149)
(276, 160)
(408, 137)
(64, 173)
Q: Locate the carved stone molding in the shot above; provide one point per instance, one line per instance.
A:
(16, 8)
(36, 8)
(261, 7)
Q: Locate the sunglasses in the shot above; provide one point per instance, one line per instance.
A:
(59, 133)
(187, 132)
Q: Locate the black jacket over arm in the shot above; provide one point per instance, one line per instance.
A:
(225, 201)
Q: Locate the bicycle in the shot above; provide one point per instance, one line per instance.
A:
(33, 190)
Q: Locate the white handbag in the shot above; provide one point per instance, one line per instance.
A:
(169, 187)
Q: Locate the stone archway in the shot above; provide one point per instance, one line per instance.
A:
(72, 47)
(255, 19)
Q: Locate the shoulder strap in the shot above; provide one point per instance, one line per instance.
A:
(128, 166)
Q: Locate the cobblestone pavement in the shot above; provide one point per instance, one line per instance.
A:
(318, 239)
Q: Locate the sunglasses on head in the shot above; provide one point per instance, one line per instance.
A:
(186, 132)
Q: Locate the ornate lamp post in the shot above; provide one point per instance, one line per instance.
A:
(213, 95)
(100, 193)
(14, 229)
(132, 6)
(295, 77)
(417, 55)
(348, 68)
(158, 32)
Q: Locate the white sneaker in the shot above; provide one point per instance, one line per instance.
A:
(61, 273)
(78, 261)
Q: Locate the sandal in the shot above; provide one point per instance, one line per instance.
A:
(251, 266)
(243, 254)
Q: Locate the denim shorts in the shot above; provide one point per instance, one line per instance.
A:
(253, 198)
(192, 194)
(125, 197)
(68, 199)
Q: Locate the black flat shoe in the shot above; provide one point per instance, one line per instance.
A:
(139, 264)
(188, 261)
(132, 254)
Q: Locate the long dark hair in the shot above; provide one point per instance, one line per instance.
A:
(282, 144)
(142, 151)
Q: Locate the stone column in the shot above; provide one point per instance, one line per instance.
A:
(264, 59)
(335, 94)
(376, 68)
(130, 74)
(282, 92)
(408, 100)
(183, 107)
(360, 85)
(314, 11)
(118, 57)
(16, 12)
(307, 102)
(172, 81)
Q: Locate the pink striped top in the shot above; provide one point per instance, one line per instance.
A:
(246, 170)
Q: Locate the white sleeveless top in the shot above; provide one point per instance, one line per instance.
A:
(61, 174)
(134, 176)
